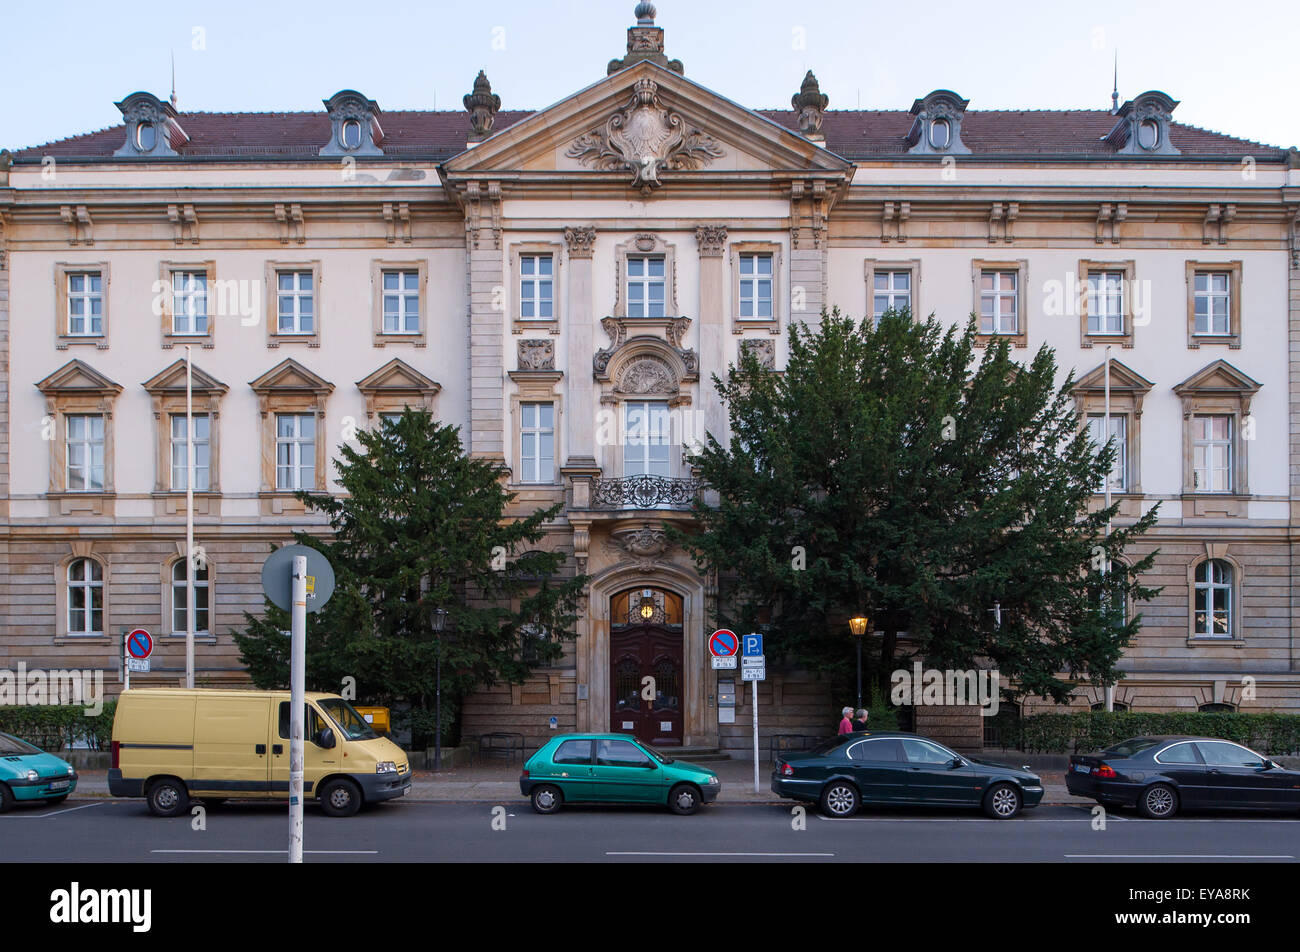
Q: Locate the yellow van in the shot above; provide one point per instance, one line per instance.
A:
(171, 744)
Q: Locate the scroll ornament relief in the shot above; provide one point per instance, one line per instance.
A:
(645, 138)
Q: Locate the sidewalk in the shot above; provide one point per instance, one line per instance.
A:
(499, 783)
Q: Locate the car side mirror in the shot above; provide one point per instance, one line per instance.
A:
(325, 738)
(955, 763)
(1266, 765)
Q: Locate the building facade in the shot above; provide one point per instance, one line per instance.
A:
(561, 283)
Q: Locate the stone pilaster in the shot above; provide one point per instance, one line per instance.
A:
(485, 272)
(712, 243)
(808, 207)
(1293, 413)
(579, 333)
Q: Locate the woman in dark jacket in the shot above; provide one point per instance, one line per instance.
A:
(860, 721)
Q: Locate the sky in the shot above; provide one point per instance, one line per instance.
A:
(66, 63)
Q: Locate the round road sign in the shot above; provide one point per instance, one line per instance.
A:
(723, 643)
(277, 577)
(139, 644)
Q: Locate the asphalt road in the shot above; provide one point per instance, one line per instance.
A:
(412, 831)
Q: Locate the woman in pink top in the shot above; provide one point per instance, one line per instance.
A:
(846, 723)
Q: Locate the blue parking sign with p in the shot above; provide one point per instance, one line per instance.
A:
(753, 646)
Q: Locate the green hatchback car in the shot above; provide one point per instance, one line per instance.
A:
(28, 774)
(613, 768)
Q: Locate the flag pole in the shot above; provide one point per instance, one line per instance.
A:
(189, 519)
(1105, 563)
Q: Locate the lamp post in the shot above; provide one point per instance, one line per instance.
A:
(439, 623)
(858, 625)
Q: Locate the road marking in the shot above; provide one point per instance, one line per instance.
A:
(1177, 856)
(652, 853)
(279, 852)
(959, 819)
(45, 816)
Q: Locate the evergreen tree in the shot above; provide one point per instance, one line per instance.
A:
(423, 527)
(886, 473)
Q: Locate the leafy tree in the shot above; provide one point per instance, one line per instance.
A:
(887, 472)
(423, 527)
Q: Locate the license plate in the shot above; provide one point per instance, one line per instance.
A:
(1082, 768)
(59, 785)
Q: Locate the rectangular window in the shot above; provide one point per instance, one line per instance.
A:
(296, 307)
(200, 599)
(1212, 299)
(85, 452)
(891, 290)
(755, 286)
(202, 453)
(998, 302)
(85, 304)
(1212, 454)
(1106, 302)
(536, 298)
(537, 442)
(295, 451)
(645, 286)
(189, 302)
(647, 439)
(401, 302)
(1118, 430)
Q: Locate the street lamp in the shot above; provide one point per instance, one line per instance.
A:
(858, 625)
(439, 623)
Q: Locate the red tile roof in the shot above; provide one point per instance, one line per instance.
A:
(854, 134)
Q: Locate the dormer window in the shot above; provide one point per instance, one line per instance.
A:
(354, 125)
(1149, 134)
(936, 129)
(351, 134)
(1142, 125)
(151, 127)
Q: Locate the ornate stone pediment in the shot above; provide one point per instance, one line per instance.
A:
(646, 544)
(645, 137)
(681, 362)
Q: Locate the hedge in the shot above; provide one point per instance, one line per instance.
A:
(1274, 734)
(54, 727)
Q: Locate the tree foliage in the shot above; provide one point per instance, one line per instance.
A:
(888, 472)
(421, 526)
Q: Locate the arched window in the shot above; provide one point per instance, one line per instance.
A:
(1213, 599)
(1217, 709)
(1116, 706)
(85, 597)
(201, 600)
(646, 606)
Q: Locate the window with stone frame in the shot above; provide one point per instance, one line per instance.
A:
(293, 305)
(535, 284)
(167, 394)
(758, 299)
(84, 598)
(81, 304)
(202, 598)
(537, 442)
(401, 302)
(1128, 389)
(1216, 403)
(291, 403)
(646, 278)
(536, 431)
(1107, 299)
(186, 298)
(392, 388)
(891, 285)
(1214, 590)
(180, 445)
(79, 405)
(1100, 434)
(1214, 303)
(1000, 301)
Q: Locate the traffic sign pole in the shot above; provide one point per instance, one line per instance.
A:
(297, 700)
(755, 684)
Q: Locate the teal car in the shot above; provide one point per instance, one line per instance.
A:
(28, 774)
(613, 768)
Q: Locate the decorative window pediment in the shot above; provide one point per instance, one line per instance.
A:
(354, 125)
(1215, 382)
(395, 385)
(151, 127)
(79, 406)
(612, 364)
(288, 377)
(936, 130)
(78, 379)
(1124, 381)
(1142, 125)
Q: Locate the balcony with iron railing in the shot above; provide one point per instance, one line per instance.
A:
(590, 491)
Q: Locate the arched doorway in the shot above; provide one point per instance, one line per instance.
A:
(645, 665)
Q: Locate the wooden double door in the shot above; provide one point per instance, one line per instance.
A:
(646, 683)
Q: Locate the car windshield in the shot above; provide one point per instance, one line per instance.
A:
(352, 724)
(13, 747)
(654, 753)
(1134, 745)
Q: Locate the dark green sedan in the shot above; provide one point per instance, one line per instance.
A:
(897, 768)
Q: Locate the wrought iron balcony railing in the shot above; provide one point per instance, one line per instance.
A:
(644, 492)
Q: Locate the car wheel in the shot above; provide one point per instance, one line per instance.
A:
(1158, 802)
(1002, 802)
(840, 799)
(547, 799)
(6, 798)
(167, 797)
(340, 798)
(683, 799)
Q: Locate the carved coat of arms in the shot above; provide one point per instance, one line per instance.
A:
(644, 138)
